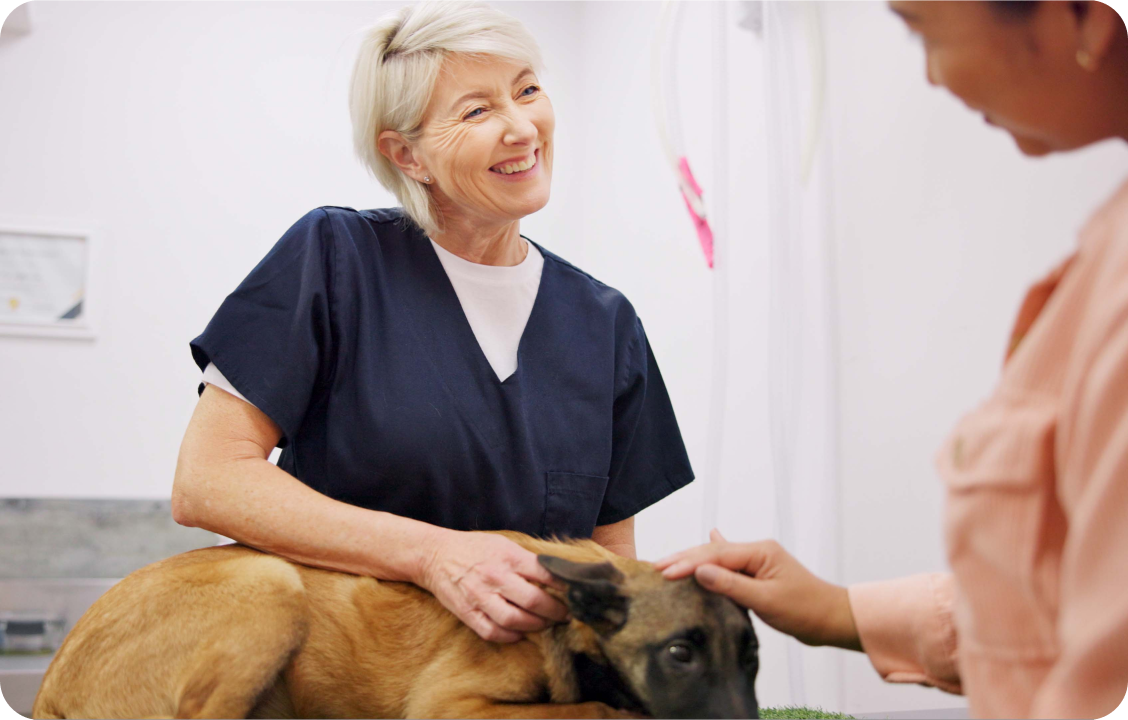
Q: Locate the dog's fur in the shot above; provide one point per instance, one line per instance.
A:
(234, 632)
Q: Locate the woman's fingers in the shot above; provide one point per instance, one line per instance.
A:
(682, 563)
(764, 578)
(510, 617)
(715, 536)
(490, 583)
(741, 588)
(668, 560)
(676, 558)
(525, 595)
(527, 566)
(487, 629)
(746, 557)
(679, 569)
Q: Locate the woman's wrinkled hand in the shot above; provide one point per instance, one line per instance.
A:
(767, 580)
(487, 581)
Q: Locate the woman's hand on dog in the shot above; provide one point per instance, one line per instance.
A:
(766, 579)
(487, 581)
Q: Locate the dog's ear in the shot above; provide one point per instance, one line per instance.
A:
(594, 592)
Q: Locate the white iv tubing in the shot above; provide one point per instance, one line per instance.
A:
(718, 389)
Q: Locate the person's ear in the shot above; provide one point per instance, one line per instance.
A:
(1098, 26)
(594, 595)
(399, 151)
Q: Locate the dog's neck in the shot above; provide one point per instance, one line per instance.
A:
(559, 644)
(579, 671)
(604, 683)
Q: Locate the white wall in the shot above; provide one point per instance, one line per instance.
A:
(195, 134)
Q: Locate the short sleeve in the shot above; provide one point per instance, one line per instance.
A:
(648, 458)
(273, 335)
(212, 376)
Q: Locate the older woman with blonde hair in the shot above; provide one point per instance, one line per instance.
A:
(427, 370)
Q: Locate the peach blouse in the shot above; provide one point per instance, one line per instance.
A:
(1033, 620)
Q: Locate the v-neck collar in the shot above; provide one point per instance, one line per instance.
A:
(497, 275)
(441, 327)
(460, 327)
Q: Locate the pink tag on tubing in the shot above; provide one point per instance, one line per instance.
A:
(704, 232)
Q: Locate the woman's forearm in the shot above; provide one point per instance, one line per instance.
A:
(618, 537)
(224, 483)
(255, 503)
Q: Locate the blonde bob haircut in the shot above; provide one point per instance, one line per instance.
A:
(395, 73)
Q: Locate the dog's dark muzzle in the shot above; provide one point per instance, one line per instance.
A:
(734, 702)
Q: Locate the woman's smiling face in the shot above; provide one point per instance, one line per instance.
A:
(1018, 69)
(486, 142)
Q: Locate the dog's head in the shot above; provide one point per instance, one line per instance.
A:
(679, 650)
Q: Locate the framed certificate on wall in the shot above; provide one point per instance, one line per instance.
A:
(44, 281)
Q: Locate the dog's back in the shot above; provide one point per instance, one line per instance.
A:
(165, 621)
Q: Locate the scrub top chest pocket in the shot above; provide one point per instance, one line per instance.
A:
(572, 504)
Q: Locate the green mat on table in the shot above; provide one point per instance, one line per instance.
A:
(792, 711)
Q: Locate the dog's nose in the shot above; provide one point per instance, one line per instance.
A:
(747, 709)
(742, 701)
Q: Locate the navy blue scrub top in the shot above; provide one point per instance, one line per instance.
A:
(350, 337)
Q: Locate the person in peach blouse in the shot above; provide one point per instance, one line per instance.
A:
(1032, 621)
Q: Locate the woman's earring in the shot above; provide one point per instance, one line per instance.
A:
(426, 179)
(1085, 60)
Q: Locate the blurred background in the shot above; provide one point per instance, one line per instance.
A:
(873, 241)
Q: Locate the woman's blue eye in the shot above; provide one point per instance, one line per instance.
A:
(527, 92)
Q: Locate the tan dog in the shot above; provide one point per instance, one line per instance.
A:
(234, 632)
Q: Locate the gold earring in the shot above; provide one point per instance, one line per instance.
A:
(1085, 60)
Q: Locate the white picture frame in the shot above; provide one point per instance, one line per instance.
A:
(45, 279)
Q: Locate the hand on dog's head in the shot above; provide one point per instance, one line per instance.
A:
(681, 650)
(593, 592)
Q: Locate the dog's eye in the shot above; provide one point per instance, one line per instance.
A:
(681, 653)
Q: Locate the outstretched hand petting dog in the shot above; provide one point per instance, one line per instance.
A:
(487, 581)
(767, 580)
